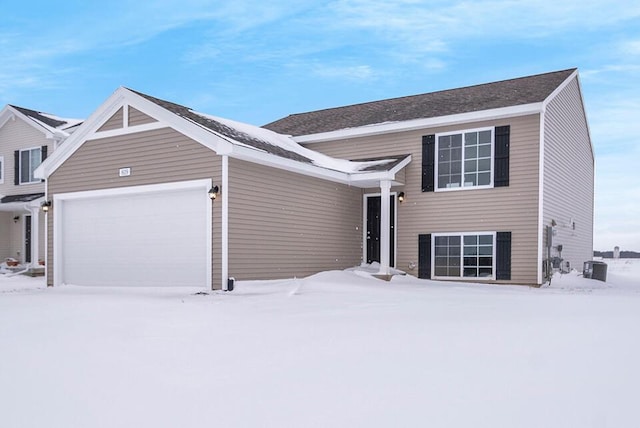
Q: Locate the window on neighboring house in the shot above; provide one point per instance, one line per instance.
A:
(461, 255)
(1, 169)
(30, 159)
(465, 159)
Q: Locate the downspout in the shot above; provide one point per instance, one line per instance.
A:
(225, 223)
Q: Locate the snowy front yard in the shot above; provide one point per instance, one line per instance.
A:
(336, 350)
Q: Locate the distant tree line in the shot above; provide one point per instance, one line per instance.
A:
(623, 254)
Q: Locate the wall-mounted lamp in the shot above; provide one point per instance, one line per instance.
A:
(45, 206)
(401, 197)
(213, 193)
(16, 219)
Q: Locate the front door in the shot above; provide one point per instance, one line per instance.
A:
(27, 239)
(373, 230)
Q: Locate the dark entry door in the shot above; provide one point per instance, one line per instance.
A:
(27, 239)
(373, 230)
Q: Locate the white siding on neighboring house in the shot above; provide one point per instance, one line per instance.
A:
(17, 135)
(568, 176)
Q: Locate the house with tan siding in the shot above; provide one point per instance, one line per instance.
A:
(26, 137)
(454, 185)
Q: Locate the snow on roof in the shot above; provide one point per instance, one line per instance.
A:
(287, 143)
(271, 142)
(52, 123)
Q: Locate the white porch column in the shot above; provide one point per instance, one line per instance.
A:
(385, 226)
(225, 222)
(35, 235)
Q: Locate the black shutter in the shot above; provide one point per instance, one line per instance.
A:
(503, 255)
(16, 167)
(428, 162)
(424, 256)
(501, 160)
(43, 155)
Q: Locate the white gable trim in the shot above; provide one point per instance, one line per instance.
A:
(123, 98)
(411, 125)
(9, 113)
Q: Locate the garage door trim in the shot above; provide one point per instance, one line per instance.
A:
(59, 207)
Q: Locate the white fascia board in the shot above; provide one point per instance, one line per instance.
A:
(267, 159)
(410, 125)
(121, 97)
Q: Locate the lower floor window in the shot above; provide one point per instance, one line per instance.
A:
(464, 255)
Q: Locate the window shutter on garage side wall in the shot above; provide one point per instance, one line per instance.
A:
(501, 156)
(503, 255)
(424, 256)
(428, 162)
(16, 167)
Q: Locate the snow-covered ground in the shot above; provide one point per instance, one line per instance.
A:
(339, 349)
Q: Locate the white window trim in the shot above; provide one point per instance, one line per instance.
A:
(463, 131)
(461, 277)
(1, 169)
(19, 166)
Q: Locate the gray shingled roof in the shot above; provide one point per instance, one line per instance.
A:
(38, 116)
(223, 129)
(506, 93)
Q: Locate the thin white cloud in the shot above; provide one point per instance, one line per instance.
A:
(354, 72)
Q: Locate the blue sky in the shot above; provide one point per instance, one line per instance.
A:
(256, 61)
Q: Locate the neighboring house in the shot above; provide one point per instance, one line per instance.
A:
(26, 137)
(502, 178)
(147, 192)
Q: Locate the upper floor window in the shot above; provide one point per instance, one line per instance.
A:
(465, 159)
(29, 160)
(1, 169)
(468, 159)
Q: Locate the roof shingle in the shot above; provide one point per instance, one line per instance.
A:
(506, 93)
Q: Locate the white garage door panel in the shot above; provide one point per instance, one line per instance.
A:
(150, 239)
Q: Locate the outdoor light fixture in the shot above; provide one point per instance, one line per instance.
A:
(213, 193)
(45, 206)
(401, 197)
(16, 219)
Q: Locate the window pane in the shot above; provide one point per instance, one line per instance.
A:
(441, 251)
(24, 167)
(454, 240)
(454, 271)
(441, 271)
(470, 261)
(470, 240)
(469, 179)
(484, 151)
(456, 167)
(484, 178)
(470, 166)
(471, 139)
(484, 137)
(444, 168)
(456, 180)
(484, 165)
(485, 261)
(456, 140)
(442, 240)
(454, 262)
(471, 152)
(441, 261)
(456, 154)
(470, 272)
(484, 272)
(485, 250)
(454, 250)
(485, 239)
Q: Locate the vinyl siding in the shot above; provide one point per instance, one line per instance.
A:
(284, 225)
(158, 156)
(136, 117)
(18, 135)
(115, 122)
(568, 176)
(513, 208)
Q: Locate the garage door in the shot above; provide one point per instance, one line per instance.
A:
(148, 236)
